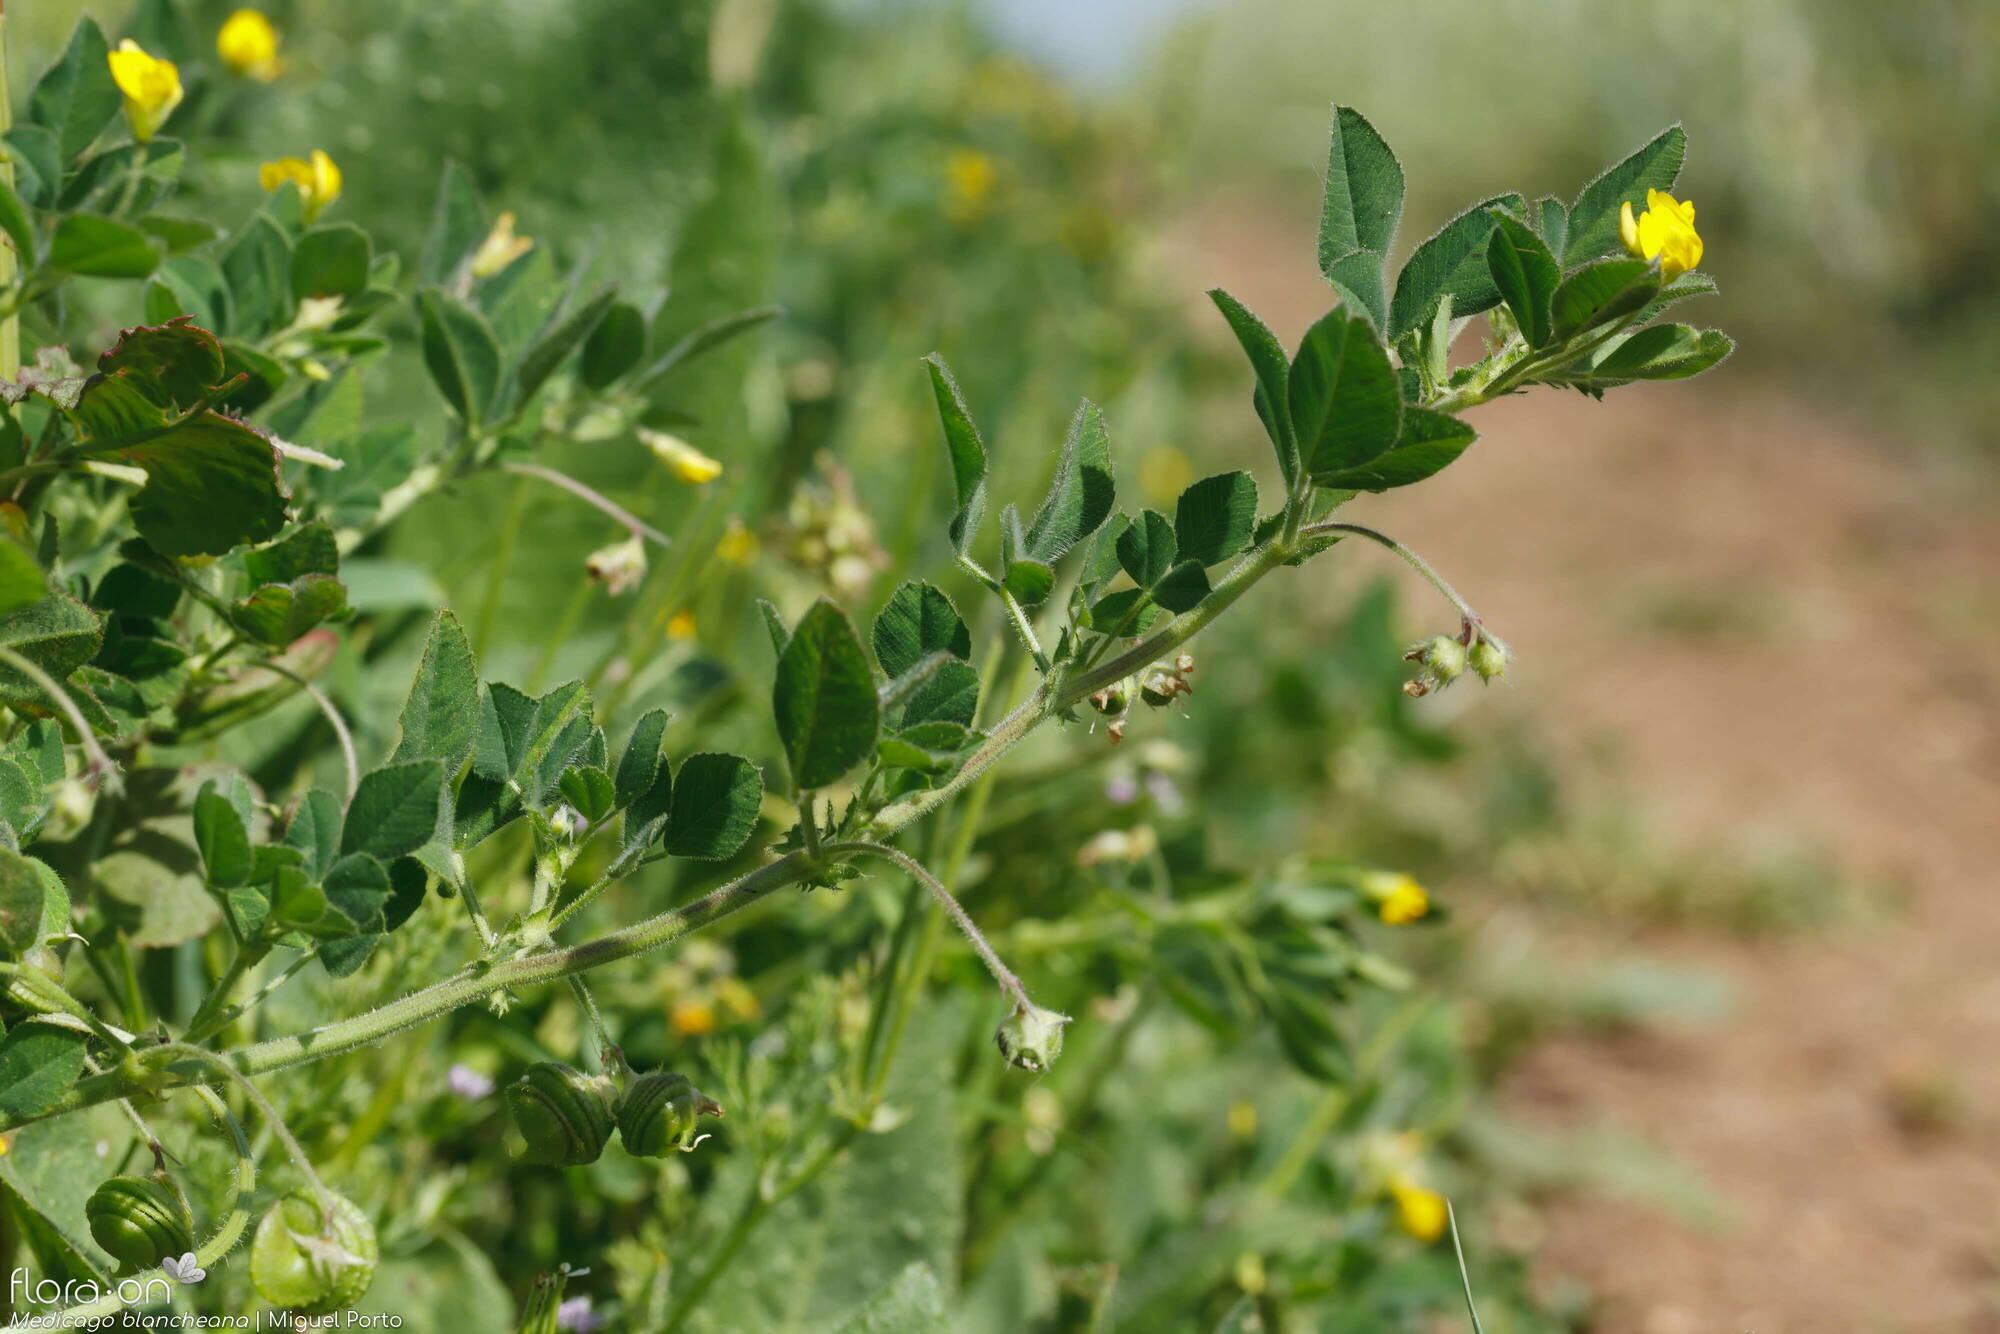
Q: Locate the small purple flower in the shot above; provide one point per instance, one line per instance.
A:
(1120, 789)
(574, 1313)
(468, 1083)
(1165, 794)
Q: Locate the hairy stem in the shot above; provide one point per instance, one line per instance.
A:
(632, 523)
(1002, 974)
(1411, 558)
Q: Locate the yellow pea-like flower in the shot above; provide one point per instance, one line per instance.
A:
(1665, 231)
(248, 44)
(686, 462)
(318, 180)
(1399, 899)
(1420, 1211)
(152, 88)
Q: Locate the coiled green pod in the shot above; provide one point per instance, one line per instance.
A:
(306, 1258)
(140, 1221)
(658, 1111)
(563, 1114)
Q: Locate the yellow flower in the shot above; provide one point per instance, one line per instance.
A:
(688, 463)
(1243, 1119)
(318, 180)
(737, 545)
(1665, 231)
(691, 1019)
(1420, 1211)
(970, 181)
(6, 1145)
(500, 248)
(248, 44)
(1399, 899)
(152, 88)
(681, 625)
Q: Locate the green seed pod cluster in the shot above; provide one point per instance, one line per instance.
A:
(563, 1114)
(314, 1260)
(658, 1111)
(140, 1221)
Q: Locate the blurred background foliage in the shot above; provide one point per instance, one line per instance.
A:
(902, 179)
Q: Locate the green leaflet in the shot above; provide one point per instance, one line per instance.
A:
(824, 698)
(1267, 360)
(1346, 402)
(1525, 274)
(1364, 192)
(395, 810)
(1592, 222)
(1450, 262)
(715, 804)
(1214, 517)
(440, 719)
(1081, 494)
(919, 619)
(462, 354)
(77, 97)
(966, 450)
(1429, 442)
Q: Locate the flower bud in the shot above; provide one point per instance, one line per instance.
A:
(566, 821)
(500, 248)
(140, 1220)
(1031, 1038)
(564, 1115)
(313, 1259)
(1488, 657)
(659, 1111)
(682, 459)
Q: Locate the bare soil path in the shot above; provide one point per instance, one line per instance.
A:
(1848, 1113)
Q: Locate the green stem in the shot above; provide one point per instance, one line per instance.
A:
(479, 981)
(10, 263)
(204, 1023)
(1409, 557)
(590, 496)
(264, 1108)
(953, 909)
(503, 560)
(473, 983)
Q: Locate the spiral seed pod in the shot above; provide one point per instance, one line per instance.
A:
(563, 1114)
(658, 1113)
(140, 1221)
(305, 1258)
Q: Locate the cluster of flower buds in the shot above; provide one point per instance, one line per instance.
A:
(1444, 659)
(1158, 686)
